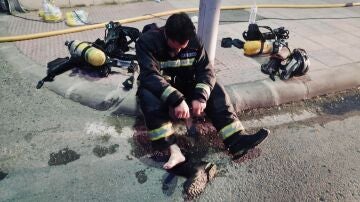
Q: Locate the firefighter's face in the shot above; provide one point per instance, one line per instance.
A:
(176, 46)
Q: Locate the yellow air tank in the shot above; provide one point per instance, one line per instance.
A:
(90, 54)
(252, 48)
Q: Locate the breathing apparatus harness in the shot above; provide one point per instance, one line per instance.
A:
(296, 63)
(99, 56)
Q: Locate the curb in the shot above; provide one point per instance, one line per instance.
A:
(107, 96)
(262, 93)
(266, 93)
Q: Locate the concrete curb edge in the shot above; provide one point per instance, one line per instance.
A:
(266, 93)
(256, 94)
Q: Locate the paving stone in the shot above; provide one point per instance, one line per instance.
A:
(298, 41)
(347, 38)
(348, 27)
(348, 51)
(327, 41)
(329, 57)
(316, 65)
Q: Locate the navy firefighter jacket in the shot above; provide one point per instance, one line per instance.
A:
(159, 71)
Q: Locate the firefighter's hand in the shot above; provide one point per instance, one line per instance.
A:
(198, 107)
(182, 111)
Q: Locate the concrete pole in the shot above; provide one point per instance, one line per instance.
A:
(208, 24)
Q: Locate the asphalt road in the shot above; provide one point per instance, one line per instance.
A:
(53, 149)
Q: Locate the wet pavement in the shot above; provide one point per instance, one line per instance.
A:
(339, 103)
(107, 157)
(345, 103)
(133, 173)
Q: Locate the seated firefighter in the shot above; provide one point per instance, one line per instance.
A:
(177, 80)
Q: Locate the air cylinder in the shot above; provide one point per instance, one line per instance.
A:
(90, 54)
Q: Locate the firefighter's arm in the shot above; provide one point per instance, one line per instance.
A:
(151, 79)
(204, 76)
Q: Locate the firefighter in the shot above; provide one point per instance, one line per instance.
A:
(177, 80)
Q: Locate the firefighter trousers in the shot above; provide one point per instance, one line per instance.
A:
(156, 114)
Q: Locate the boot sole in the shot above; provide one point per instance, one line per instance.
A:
(198, 183)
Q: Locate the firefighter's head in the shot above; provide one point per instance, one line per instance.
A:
(179, 29)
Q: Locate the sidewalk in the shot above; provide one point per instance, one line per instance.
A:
(333, 46)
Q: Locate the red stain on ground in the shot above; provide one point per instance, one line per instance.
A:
(207, 137)
(251, 154)
(208, 132)
(141, 141)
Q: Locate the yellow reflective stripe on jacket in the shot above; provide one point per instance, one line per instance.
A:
(230, 129)
(177, 63)
(167, 92)
(203, 86)
(162, 132)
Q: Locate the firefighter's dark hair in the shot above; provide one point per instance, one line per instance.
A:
(179, 27)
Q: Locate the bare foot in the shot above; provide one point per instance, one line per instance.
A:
(176, 157)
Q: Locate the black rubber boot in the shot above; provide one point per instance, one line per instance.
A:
(238, 144)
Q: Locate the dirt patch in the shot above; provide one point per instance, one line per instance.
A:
(344, 104)
(338, 103)
(2, 175)
(206, 140)
(101, 151)
(140, 141)
(328, 107)
(63, 157)
(141, 176)
(197, 146)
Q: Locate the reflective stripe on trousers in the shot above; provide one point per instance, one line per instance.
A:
(162, 132)
(230, 129)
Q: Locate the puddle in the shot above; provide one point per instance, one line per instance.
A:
(141, 176)
(63, 157)
(222, 172)
(342, 105)
(339, 103)
(119, 122)
(101, 151)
